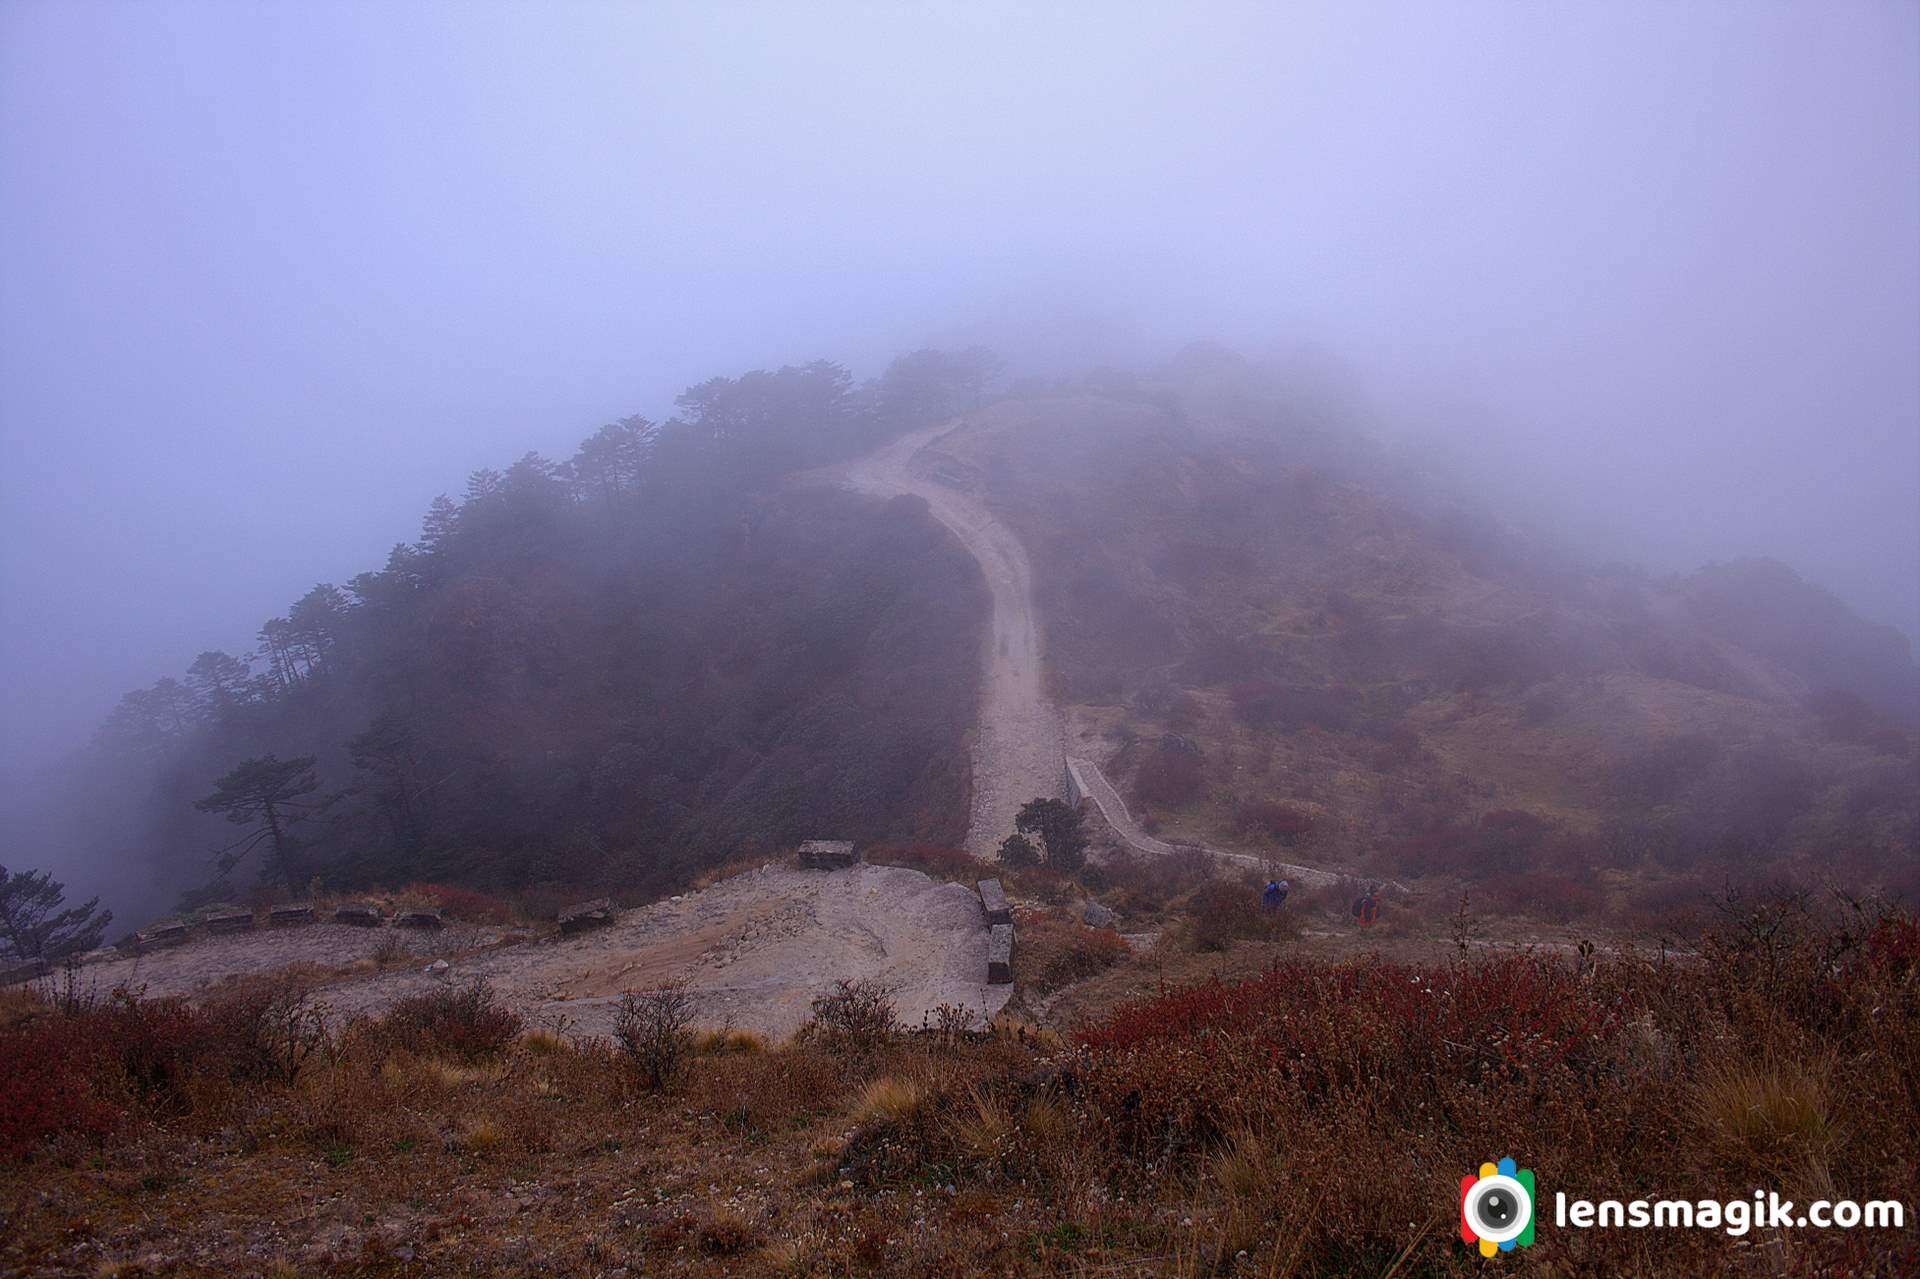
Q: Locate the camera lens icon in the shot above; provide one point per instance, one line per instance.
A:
(1496, 1207)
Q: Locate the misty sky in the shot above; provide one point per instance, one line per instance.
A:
(272, 276)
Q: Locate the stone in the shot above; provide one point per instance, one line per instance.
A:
(364, 915)
(281, 916)
(827, 854)
(31, 970)
(1000, 954)
(597, 913)
(238, 921)
(418, 919)
(438, 968)
(1094, 915)
(994, 900)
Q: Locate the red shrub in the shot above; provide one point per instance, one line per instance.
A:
(936, 860)
(1171, 775)
(466, 1021)
(1269, 704)
(1224, 912)
(1312, 1018)
(1548, 895)
(50, 1085)
(1894, 944)
(469, 904)
(1288, 823)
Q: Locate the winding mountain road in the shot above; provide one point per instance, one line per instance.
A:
(1019, 749)
(1019, 746)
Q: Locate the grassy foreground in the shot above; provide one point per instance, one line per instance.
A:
(1313, 1120)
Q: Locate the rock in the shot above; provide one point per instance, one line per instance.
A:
(282, 916)
(1000, 955)
(597, 913)
(1094, 915)
(994, 901)
(429, 919)
(365, 915)
(437, 968)
(239, 921)
(827, 854)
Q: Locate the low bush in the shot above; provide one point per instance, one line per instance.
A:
(854, 1017)
(653, 1030)
(1056, 951)
(462, 903)
(465, 1021)
(1290, 824)
(1222, 912)
(936, 860)
(1173, 775)
(1547, 895)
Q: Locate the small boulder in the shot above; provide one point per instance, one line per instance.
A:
(1094, 915)
(429, 919)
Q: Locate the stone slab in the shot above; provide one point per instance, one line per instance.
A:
(993, 899)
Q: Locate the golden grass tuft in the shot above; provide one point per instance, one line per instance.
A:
(1032, 1034)
(729, 1039)
(1245, 1166)
(545, 1043)
(1046, 1123)
(891, 1099)
(1766, 1115)
(482, 1135)
(984, 1128)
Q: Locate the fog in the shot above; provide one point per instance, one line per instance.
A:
(271, 277)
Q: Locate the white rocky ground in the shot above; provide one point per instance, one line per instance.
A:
(755, 949)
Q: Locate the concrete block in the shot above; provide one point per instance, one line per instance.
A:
(597, 913)
(236, 922)
(163, 935)
(362, 916)
(1000, 955)
(281, 916)
(994, 901)
(30, 970)
(827, 854)
(429, 919)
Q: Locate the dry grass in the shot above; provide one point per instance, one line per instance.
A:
(1766, 1117)
(892, 1100)
(729, 1039)
(542, 1042)
(1320, 1142)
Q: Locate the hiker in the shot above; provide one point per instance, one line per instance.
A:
(1366, 907)
(1274, 896)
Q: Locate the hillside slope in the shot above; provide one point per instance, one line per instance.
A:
(1272, 631)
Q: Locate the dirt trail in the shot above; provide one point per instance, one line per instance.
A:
(755, 949)
(1094, 784)
(1019, 744)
